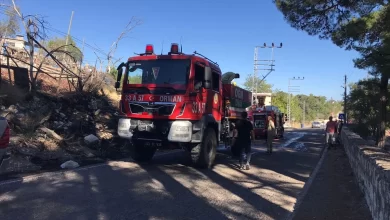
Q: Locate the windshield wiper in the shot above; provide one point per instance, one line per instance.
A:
(142, 90)
(171, 91)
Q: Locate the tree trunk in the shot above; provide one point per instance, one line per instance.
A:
(33, 87)
(9, 71)
(381, 134)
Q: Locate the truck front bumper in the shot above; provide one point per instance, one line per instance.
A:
(158, 130)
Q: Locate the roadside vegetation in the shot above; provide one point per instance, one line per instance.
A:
(363, 26)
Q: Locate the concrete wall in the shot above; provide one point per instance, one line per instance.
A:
(371, 167)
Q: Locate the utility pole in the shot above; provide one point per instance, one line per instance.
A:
(345, 99)
(66, 43)
(290, 90)
(257, 63)
(82, 54)
(304, 111)
(67, 36)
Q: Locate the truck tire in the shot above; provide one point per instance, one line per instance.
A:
(141, 154)
(203, 154)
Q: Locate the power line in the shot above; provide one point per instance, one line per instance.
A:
(78, 40)
(52, 29)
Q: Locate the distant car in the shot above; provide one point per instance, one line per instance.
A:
(316, 124)
(4, 139)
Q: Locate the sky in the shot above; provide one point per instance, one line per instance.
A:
(226, 31)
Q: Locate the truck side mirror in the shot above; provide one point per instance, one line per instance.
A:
(119, 76)
(208, 77)
(117, 85)
(120, 72)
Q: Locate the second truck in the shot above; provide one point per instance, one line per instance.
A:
(182, 102)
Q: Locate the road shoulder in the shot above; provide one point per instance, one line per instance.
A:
(334, 193)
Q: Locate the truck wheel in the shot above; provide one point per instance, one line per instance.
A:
(203, 154)
(141, 154)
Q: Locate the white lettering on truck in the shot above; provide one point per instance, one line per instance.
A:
(239, 93)
(170, 99)
(138, 98)
(198, 107)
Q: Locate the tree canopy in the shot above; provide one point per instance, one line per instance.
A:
(308, 107)
(10, 25)
(316, 107)
(362, 25)
(73, 50)
(262, 86)
(364, 106)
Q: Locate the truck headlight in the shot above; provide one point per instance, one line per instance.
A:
(124, 128)
(181, 131)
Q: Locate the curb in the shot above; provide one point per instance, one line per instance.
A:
(313, 175)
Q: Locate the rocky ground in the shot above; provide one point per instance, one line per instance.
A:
(47, 131)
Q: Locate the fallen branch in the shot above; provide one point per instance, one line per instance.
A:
(51, 133)
(47, 117)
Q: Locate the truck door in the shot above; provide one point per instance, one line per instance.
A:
(217, 97)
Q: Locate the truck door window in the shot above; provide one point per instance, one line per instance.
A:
(199, 77)
(216, 81)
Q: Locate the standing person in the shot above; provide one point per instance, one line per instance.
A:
(232, 134)
(331, 127)
(270, 134)
(339, 127)
(243, 137)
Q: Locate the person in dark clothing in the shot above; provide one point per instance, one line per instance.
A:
(244, 135)
(339, 127)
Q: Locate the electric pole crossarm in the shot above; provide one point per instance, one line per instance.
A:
(257, 62)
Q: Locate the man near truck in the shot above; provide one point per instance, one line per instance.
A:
(244, 135)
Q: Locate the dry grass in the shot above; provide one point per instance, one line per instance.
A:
(50, 145)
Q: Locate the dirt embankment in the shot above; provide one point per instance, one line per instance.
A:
(48, 129)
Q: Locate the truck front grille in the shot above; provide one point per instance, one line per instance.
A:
(158, 109)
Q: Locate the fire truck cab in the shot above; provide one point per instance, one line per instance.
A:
(259, 117)
(180, 103)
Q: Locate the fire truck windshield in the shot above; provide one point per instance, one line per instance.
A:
(259, 121)
(161, 71)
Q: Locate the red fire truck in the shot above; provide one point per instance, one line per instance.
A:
(259, 117)
(183, 102)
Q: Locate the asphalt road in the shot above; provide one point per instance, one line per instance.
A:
(170, 189)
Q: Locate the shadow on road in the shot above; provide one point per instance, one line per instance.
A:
(166, 188)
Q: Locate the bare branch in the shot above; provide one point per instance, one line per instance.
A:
(55, 59)
(50, 54)
(16, 9)
(116, 61)
(23, 61)
(134, 22)
(38, 23)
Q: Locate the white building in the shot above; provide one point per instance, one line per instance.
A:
(263, 98)
(15, 47)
